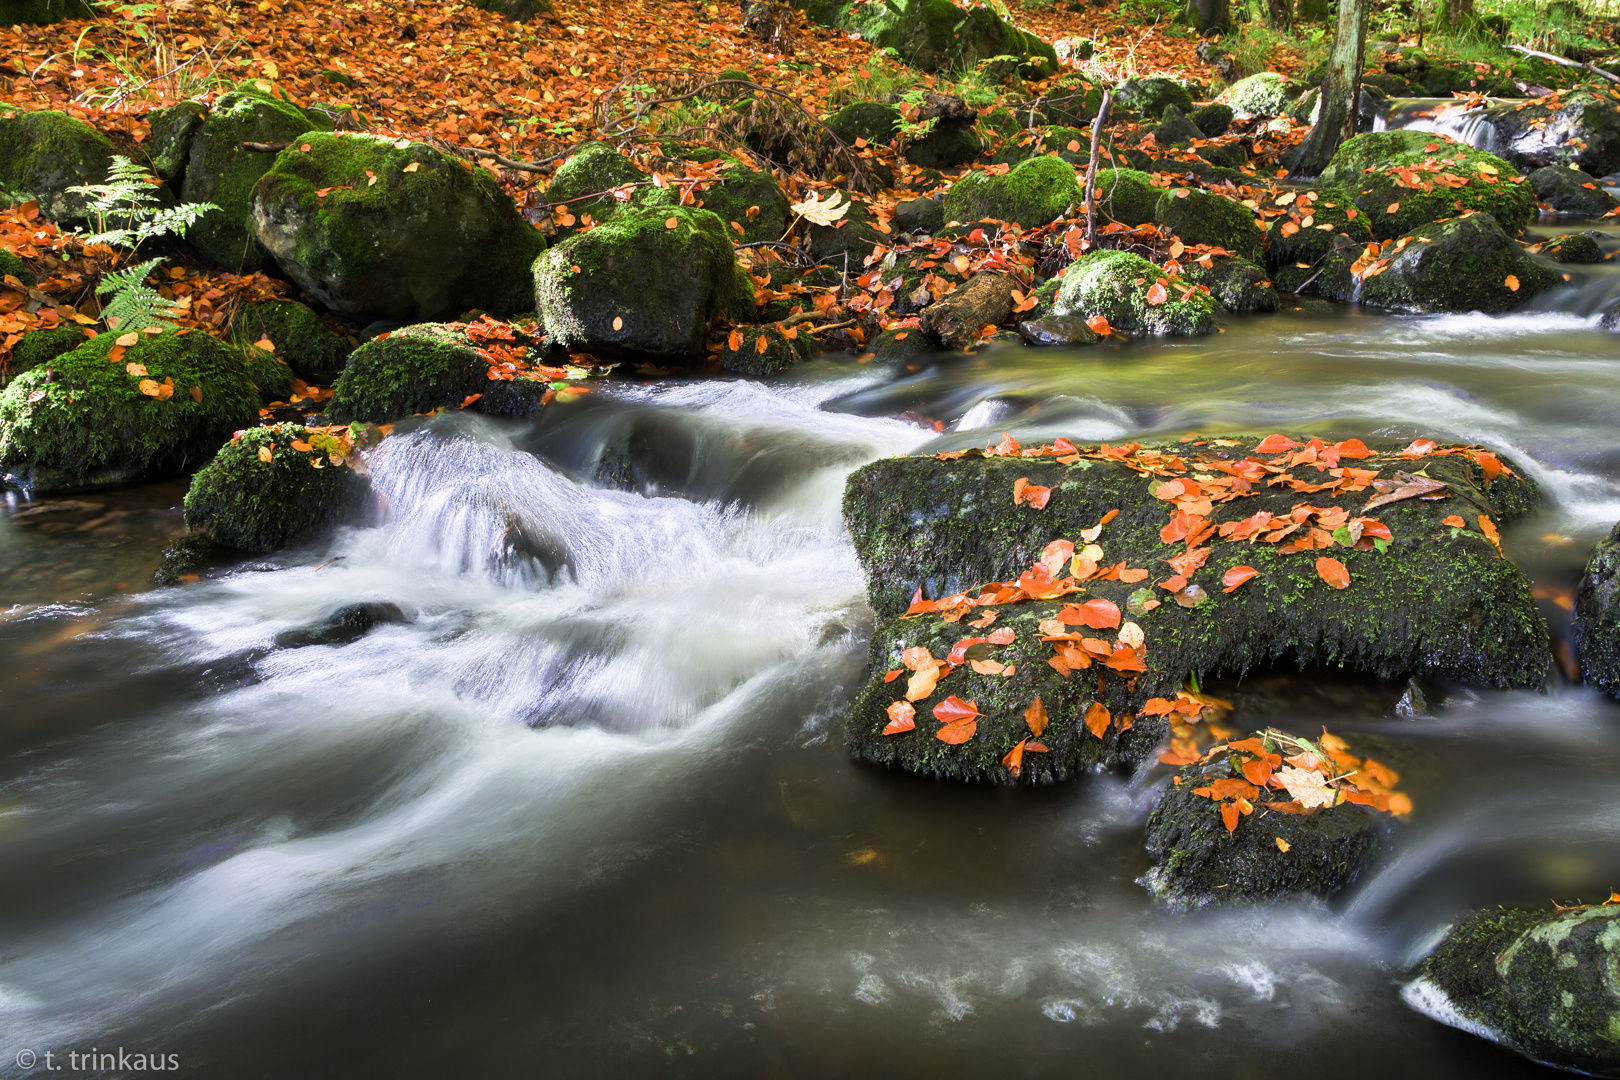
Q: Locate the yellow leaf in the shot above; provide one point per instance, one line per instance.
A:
(1282, 845)
(1393, 207)
(137, 370)
(301, 446)
(150, 388)
(264, 454)
(126, 340)
(413, 166)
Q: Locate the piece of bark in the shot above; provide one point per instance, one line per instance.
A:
(955, 320)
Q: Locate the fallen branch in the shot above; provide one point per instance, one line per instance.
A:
(1562, 62)
(832, 326)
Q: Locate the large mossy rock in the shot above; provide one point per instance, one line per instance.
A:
(1464, 264)
(1035, 192)
(1065, 143)
(274, 486)
(751, 203)
(584, 184)
(86, 422)
(1570, 191)
(1117, 286)
(174, 129)
(308, 346)
(1380, 168)
(1264, 94)
(43, 154)
(1203, 217)
(848, 241)
(1150, 96)
(1580, 129)
(40, 347)
(1544, 983)
(1127, 196)
(936, 35)
(42, 12)
(415, 370)
(222, 171)
(649, 283)
(945, 148)
(1237, 284)
(869, 120)
(432, 237)
(1596, 629)
(1313, 247)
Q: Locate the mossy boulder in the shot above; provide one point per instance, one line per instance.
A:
(1311, 227)
(415, 370)
(766, 350)
(432, 237)
(1579, 249)
(1033, 193)
(270, 375)
(86, 422)
(243, 501)
(1117, 284)
(1263, 94)
(583, 185)
(1126, 196)
(870, 120)
(848, 240)
(1570, 191)
(1065, 143)
(12, 264)
(43, 154)
(42, 12)
(1150, 96)
(1543, 983)
(1237, 284)
(1203, 217)
(1071, 102)
(1464, 264)
(222, 171)
(751, 203)
(1212, 119)
(39, 347)
(1380, 169)
(945, 148)
(1580, 129)
(310, 348)
(639, 287)
(936, 35)
(1198, 862)
(1596, 629)
(174, 129)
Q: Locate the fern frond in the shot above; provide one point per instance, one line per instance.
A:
(135, 304)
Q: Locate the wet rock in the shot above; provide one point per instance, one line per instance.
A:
(1126, 196)
(82, 421)
(1035, 192)
(778, 353)
(244, 502)
(1106, 283)
(922, 216)
(1368, 167)
(1316, 241)
(1575, 248)
(187, 558)
(955, 320)
(431, 242)
(1539, 982)
(1465, 264)
(1569, 191)
(1595, 632)
(1212, 119)
(43, 154)
(1198, 863)
(1150, 96)
(870, 120)
(311, 349)
(903, 347)
(421, 368)
(936, 35)
(1580, 128)
(1175, 129)
(1203, 217)
(1236, 283)
(344, 626)
(583, 187)
(174, 129)
(1262, 94)
(642, 288)
(1057, 330)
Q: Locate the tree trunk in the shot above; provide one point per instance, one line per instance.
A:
(1282, 14)
(1341, 90)
(1458, 12)
(1209, 16)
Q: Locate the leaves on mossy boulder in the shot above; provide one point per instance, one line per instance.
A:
(1033, 193)
(936, 35)
(41, 346)
(873, 121)
(1204, 217)
(274, 486)
(582, 188)
(1149, 96)
(1570, 191)
(1127, 196)
(766, 350)
(1265, 93)
(1134, 295)
(1236, 284)
(1404, 179)
(1464, 264)
(309, 347)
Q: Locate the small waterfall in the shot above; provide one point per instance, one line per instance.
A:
(1442, 116)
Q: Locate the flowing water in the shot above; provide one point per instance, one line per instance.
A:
(587, 812)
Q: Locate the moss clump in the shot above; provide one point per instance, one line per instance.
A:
(870, 120)
(1574, 248)
(220, 170)
(1464, 264)
(309, 347)
(741, 190)
(779, 351)
(936, 35)
(86, 422)
(1126, 196)
(1150, 96)
(1596, 629)
(1115, 285)
(270, 376)
(43, 154)
(945, 148)
(433, 237)
(41, 347)
(1036, 192)
(1203, 217)
(1313, 227)
(1069, 144)
(583, 185)
(1262, 94)
(11, 264)
(415, 370)
(1378, 169)
(1539, 982)
(174, 129)
(1212, 119)
(1236, 283)
(242, 501)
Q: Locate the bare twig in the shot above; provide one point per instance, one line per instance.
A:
(1562, 62)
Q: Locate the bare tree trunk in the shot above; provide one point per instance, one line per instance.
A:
(1282, 14)
(1097, 127)
(1341, 90)
(1458, 12)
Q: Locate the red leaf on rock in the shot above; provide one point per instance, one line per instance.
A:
(1237, 576)
(1035, 717)
(1275, 444)
(1333, 572)
(953, 710)
(1098, 718)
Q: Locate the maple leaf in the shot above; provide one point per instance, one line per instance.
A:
(1307, 786)
(822, 212)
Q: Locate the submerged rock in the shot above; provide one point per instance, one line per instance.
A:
(1595, 632)
(1539, 982)
(1570, 191)
(1119, 286)
(433, 237)
(1057, 330)
(1464, 264)
(344, 626)
(1380, 169)
(274, 486)
(43, 154)
(1574, 248)
(84, 421)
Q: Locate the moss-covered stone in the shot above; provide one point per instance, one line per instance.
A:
(778, 353)
(1212, 119)
(870, 120)
(85, 422)
(185, 560)
(39, 347)
(1378, 169)
(270, 375)
(1543, 983)
(1070, 102)
(1582, 248)
(241, 501)
(1596, 629)
(1310, 228)
(751, 203)
(12, 264)
(945, 148)
(1150, 96)
(584, 186)
(1236, 283)
(42, 12)
(220, 170)
(637, 287)
(311, 349)
(1199, 863)
(906, 346)
(1570, 191)
(174, 129)
(1203, 217)
(1035, 192)
(1126, 196)
(1116, 284)
(43, 154)
(433, 237)
(415, 370)
(1463, 264)
(1264, 94)
(936, 35)
(1068, 144)
(849, 240)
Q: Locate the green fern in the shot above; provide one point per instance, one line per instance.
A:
(135, 305)
(127, 213)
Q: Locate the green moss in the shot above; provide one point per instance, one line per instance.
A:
(741, 189)
(43, 154)
(1596, 628)
(847, 241)
(1150, 96)
(40, 347)
(1367, 166)
(1126, 196)
(220, 170)
(870, 120)
(11, 263)
(584, 184)
(1035, 192)
(415, 370)
(1069, 144)
(1462, 264)
(1203, 217)
(780, 352)
(309, 347)
(936, 35)
(174, 128)
(1262, 94)
(240, 501)
(269, 375)
(1115, 285)
(1212, 119)
(1236, 283)
(91, 425)
(1299, 236)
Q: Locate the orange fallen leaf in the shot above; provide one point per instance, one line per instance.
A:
(1488, 527)
(1455, 522)
(954, 710)
(265, 454)
(957, 733)
(1237, 576)
(1035, 717)
(902, 717)
(670, 223)
(1014, 758)
(1333, 572)
(1511, 282)
(1099, 325)
(1098, 718)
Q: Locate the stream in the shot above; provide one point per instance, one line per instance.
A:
(588, 811)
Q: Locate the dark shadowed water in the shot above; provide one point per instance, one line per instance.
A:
(588, 813)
